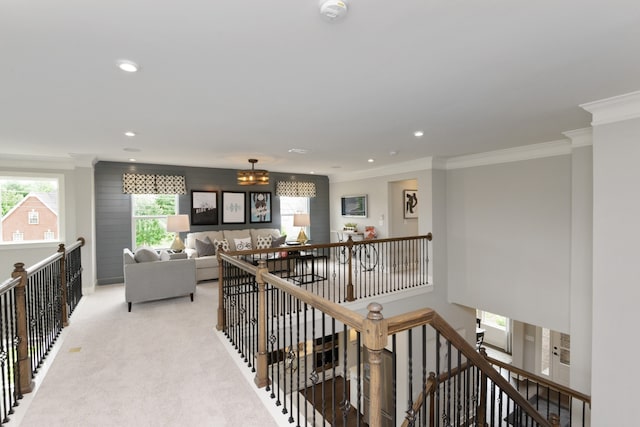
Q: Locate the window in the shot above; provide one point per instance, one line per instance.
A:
(49, 235)
(490, 319)
(34, 218)
(29, 207)
(149, 219)
(288, 207)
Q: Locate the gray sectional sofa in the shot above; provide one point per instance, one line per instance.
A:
(207, 264)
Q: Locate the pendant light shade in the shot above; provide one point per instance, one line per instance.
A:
(253, 176)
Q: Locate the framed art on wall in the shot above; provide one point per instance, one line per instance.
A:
(233, 206)
(354, 206)
(410, 199)
(204, 207)
(260, 206)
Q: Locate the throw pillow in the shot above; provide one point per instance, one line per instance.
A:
(275, 243)
(205, 247)
(263, 242)
(146, 255)
(223, 242)
(243, 244)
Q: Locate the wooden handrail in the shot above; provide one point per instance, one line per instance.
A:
(406, 321)
(541, 380)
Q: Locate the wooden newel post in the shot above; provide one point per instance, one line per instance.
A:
(221, 313)
(262, 377)
(482, 403)
(375, 339)
(24, 362)
(350, 296)
(63, 286)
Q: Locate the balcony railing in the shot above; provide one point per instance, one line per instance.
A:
(35, 304)
(322, 363)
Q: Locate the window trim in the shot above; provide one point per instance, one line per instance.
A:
(135, 217)
(36, 175)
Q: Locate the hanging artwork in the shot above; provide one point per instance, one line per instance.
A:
(260, 203)
(410, 199)
(204, 208)
(233, 207)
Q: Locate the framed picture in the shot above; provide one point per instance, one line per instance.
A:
(410, 200)
(260, 206)
(233, 207)
(204, 207)
(354, 206)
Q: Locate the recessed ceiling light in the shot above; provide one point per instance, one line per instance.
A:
(298, 150)
(131, 149)
(418, 133)
(130, 133)
(128, 66)
(312, 172)
(370, 160)
(393, 153)
(132, 160)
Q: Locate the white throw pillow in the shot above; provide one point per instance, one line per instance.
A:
(223, 242)
(146, 255)
(263, 242)
(243, 244)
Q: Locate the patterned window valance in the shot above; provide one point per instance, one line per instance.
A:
(135, 183)
(296, 189)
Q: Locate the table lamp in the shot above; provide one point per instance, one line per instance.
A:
(302, 221)
(177, 224)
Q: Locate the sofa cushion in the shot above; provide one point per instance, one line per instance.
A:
(207, 262)
(223, 242)
(243, 244)
(190, 241)
(263, 242)
(146, 255)
(231, 235)
(205, 248)
(257, 232)
(276, 243)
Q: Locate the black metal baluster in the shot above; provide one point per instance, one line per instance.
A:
(345, 404)
(437, 409)
(314, 373)
(359, 379)
(409, 368)
(292, 356)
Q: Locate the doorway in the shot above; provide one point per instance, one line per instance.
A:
(555, 356)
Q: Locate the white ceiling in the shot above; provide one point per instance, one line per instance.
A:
(223, 81)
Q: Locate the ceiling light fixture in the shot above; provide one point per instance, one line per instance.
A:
(130, 134)
(253, 176)
(333, 10)
(418, 133)
(128, 66)
(370, 160)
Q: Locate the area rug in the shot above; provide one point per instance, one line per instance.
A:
(541, 404)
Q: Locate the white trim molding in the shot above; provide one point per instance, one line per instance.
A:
(614, 109)
(525, 152)
(580, 137)
(424, 163)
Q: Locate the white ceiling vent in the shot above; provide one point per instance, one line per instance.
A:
(333, 10)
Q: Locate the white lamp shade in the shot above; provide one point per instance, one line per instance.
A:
(301, 220)
(177, 223)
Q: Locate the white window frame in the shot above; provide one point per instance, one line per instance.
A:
(18, 236)
(135, 217)
(35, 176)
(49, 235)
(286, 217)
(34, 217)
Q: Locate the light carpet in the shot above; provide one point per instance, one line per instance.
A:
(160, 365)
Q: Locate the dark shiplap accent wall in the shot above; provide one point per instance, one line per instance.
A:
(113, 208)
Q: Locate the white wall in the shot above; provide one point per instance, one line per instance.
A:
(509, 239)
(616, 288)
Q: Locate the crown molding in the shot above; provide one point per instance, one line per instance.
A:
(614, 109)
(580, 137)
(516, 154)
(424, 163)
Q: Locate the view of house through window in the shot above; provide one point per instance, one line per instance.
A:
(288, 207)
(30, 209)
(149, 220)
(491, 319)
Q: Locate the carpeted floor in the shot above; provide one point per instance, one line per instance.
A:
(163, 364)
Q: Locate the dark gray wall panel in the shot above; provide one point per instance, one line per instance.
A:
(113, 208)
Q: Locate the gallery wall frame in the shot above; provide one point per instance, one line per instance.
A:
(233, 207)
(354, 206)
(260, 206)
(410, 201)
(204, 207)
